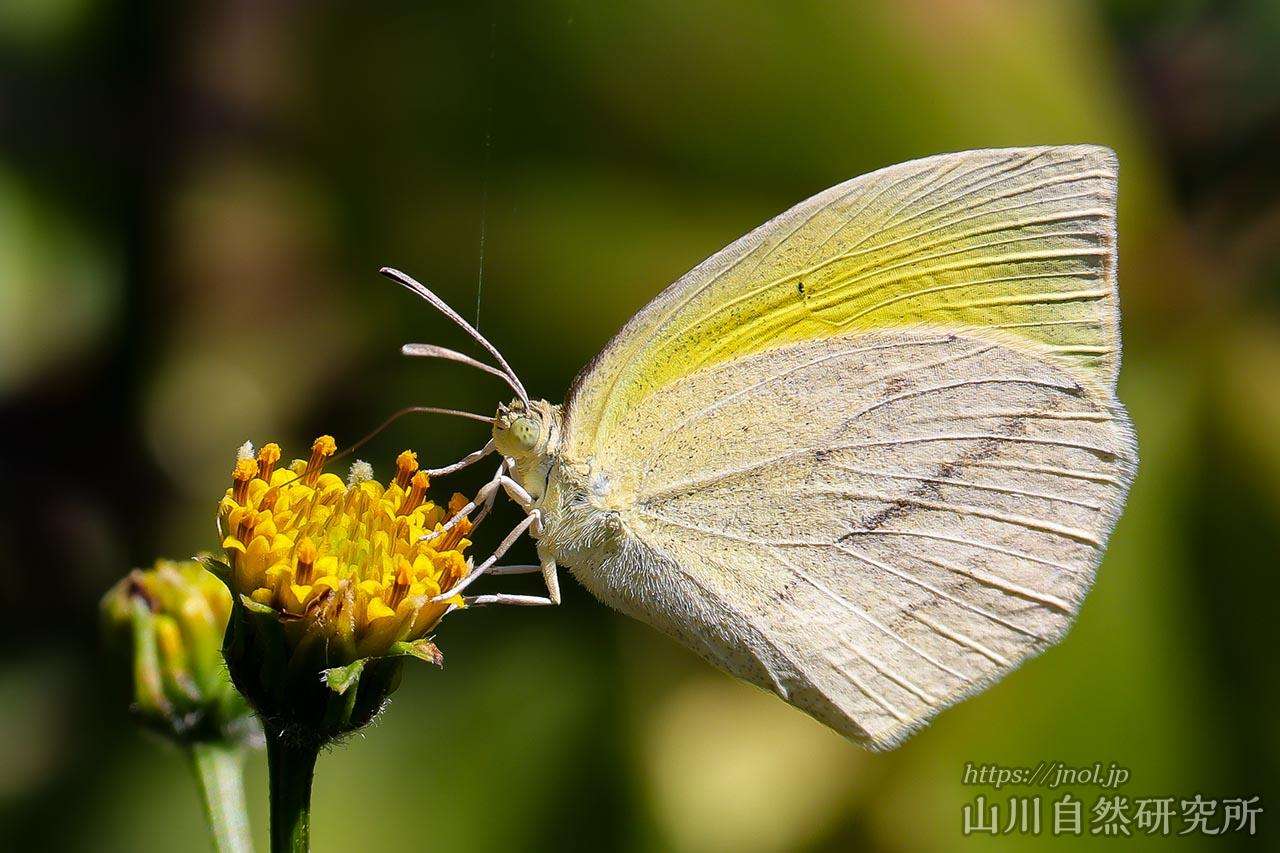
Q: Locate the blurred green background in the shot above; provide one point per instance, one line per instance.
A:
(194, 199)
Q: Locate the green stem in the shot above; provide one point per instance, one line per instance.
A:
(219, 772)
(291, 767)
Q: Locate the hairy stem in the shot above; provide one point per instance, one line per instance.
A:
(291, 767)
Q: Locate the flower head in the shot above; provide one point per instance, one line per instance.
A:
(172, 618)
(355, 561)
(337, 573)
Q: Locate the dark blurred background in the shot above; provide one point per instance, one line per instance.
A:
(194, 201)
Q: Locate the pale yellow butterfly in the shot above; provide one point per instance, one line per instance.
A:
(867, 457)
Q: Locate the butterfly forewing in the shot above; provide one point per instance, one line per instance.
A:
(1021, 239)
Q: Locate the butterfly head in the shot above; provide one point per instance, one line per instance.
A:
(522, 430)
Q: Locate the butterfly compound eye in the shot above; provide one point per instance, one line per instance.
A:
(526, 432)
(516, 435)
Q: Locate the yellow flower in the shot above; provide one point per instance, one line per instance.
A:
(353, 565)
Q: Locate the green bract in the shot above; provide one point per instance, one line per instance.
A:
(299, 692)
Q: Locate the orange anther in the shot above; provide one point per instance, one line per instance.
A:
(406, 464)
(404, 577)
(245, 470)
(307, 554)
(417, 491)
(268, 456)
(321, 449)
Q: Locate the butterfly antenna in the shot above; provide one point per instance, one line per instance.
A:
(440, 305)
(433, 351)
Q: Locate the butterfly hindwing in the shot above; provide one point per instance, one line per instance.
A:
(900, 517)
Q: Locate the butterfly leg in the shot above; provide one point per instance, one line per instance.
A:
(549, 576)
(484, 498)
(531, 523)
(506, 598)
(503, 547)
(469, 459)
(513, 570)
(552, 579)
(517, 493)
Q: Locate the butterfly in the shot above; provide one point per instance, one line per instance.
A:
(867, 457)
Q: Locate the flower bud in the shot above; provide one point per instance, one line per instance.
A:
(170, 619)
